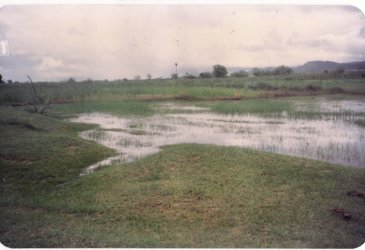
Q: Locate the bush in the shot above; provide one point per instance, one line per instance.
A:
(282, 70)
(206, 75)
(261, 72)
(189, 76)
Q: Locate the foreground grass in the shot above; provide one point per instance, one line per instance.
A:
(185, 196)
(38, 153)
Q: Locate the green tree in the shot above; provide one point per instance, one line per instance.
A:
(282, 70)
(219, 71)
(71, 80)
(257, 72)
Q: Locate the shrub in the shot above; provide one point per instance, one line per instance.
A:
(261, 72)
(282, 70)
(189, 76)
(206, 75)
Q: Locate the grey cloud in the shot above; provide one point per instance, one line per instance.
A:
(18, 66)
(19, 61)
(362, 32)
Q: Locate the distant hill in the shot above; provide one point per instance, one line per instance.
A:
(320, 66)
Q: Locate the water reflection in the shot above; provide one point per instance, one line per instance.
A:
(336, 141)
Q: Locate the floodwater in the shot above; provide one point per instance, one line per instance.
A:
(332, 140)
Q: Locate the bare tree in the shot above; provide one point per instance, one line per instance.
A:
(43, 103)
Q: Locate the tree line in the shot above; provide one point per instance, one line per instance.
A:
(220, 71)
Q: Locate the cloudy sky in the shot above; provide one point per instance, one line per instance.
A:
(116, 41)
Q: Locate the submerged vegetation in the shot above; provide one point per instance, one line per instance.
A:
(186, 195)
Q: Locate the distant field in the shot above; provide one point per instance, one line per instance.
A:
(187, 195)
(180, 89)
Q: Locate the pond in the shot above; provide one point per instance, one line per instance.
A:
(332, 139)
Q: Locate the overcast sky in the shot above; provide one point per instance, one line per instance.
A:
(117, 41)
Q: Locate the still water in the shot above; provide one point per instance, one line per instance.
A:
(327, 139)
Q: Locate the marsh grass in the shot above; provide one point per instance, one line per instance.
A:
(289, 107)
(261, 106)
(360, 122)
(178, 89)
(111, 107)
(127, 142)
(97, 134)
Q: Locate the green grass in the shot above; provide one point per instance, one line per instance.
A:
(180, 89)
(197, 196)
(111, 107)
(185, 196)
(38, 153)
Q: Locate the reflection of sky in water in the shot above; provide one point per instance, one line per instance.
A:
(328, 140)
(326, 104)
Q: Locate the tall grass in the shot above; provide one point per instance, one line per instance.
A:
(70, 92)
(289, 107)
(258, 106)
(111, 107)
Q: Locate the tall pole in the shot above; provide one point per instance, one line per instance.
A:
(176, 69)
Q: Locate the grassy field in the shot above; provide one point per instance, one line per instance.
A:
(178, 89)
(187, 195)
